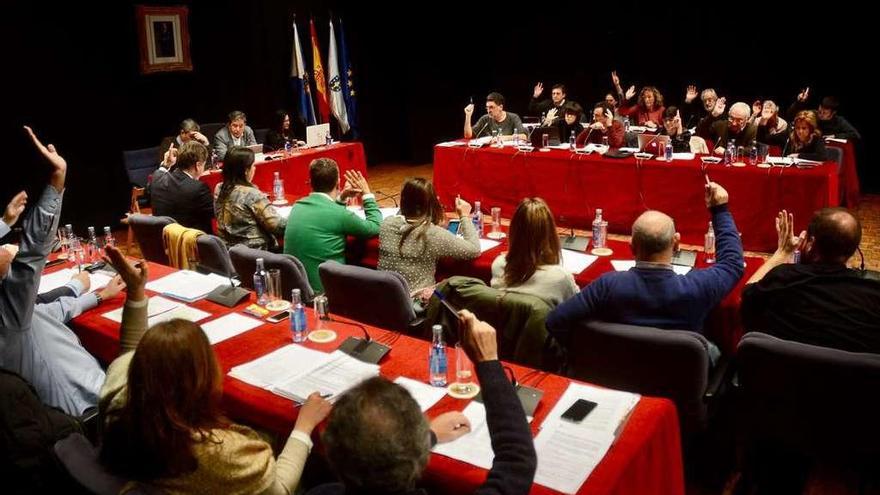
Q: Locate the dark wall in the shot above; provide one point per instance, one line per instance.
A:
(73, 71)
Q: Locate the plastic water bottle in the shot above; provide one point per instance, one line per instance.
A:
(287, 147)
(669, 150)
(572, 139)
(600, 230)
(543, 117)
(260, 283)
(297, 316)
(753, 154)
(437, 358)
(515, 138)
(626, 124)
(278, 187)
(709, 244)
(328, 138)
(93, 249)
(729, 153)
(108, 237)
(477, 218)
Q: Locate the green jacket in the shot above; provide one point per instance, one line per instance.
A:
(317, 228)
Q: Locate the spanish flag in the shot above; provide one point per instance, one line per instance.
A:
(320, 82)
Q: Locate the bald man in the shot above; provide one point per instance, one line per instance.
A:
(818, 301)
(652, 294)
(736, 127)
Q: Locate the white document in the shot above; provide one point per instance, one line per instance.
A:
(624, 265)
(630, 150)
(678, 156)
(568, 452)
(279, 365)
(452, 144)
(186, 285)
(386, 212)
(58, 279)
(160, 309)
(780, 160)
(835, 140)
(424, 394)
(284, 211)
(229, 326)
(332, 378)
(560, 146)
(487, 244)
(475, 447)
(575, 262)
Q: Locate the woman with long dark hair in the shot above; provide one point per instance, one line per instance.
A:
(163, 426)
(244, 215)
(280, 134)
(411, 242)
(533, 261)
(648, 110)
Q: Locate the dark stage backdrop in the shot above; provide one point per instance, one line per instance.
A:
(72, 70)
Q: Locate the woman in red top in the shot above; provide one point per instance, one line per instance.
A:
(649, 109)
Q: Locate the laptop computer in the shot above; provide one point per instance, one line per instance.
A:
(316, 135)
(552, 133)
(655, 143)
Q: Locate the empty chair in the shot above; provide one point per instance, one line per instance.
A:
(214, 255)
(374, 297)
(293, 273)
(139, 164)
(210, 129)
(77, 454)
(260, 135)
(650, 361)
(148, 232)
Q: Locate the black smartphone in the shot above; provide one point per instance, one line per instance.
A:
(579, 410)
(453, 225)
(279, 316)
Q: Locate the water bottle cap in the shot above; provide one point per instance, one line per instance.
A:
(437, 328)
(598, 211)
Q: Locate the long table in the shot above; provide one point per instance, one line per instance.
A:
(294, 168)
(576, 185)
(723, 326)
(645, 459)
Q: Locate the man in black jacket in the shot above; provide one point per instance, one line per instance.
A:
(181, 195)
(378, 440)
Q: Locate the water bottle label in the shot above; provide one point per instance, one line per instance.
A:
(299, 320)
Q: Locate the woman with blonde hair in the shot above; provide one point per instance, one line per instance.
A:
(533, 262)
(805, 140)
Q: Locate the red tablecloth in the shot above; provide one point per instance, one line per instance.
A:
(575, 185)
(849, 174)
(723, 326)
(295, 168)
(645, 459)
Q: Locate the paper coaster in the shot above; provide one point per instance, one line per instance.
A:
(496, 235)
(279, 202)
(738, 164)
(322, 336)
(602, 252)
(451, 390)
(763, 165)
(544, 150)
(279, 305)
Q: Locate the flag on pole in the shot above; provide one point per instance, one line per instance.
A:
(337, 102)
(320, 82)
(347, 76)
(299, 82)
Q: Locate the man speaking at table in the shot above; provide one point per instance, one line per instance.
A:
(505, 123)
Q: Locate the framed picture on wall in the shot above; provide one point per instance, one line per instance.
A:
(163, 35)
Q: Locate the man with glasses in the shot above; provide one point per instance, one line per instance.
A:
(736, 128)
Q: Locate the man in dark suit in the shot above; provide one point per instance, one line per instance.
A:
(189, 130)
(180, 194)
(236, 133)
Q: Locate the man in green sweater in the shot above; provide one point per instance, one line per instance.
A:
(319, 223)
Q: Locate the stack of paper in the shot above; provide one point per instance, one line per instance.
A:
(568, 452)
(487, 244)
(294, 372)
(475, 447)
(160, 309)
(425, 395)
(229, 326)
(575, 262)
(450, 144)
(57, 279)
(187, 285)
(624, 265)
(386, 212)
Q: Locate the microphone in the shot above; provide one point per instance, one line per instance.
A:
(365, 349)
(477, 134)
